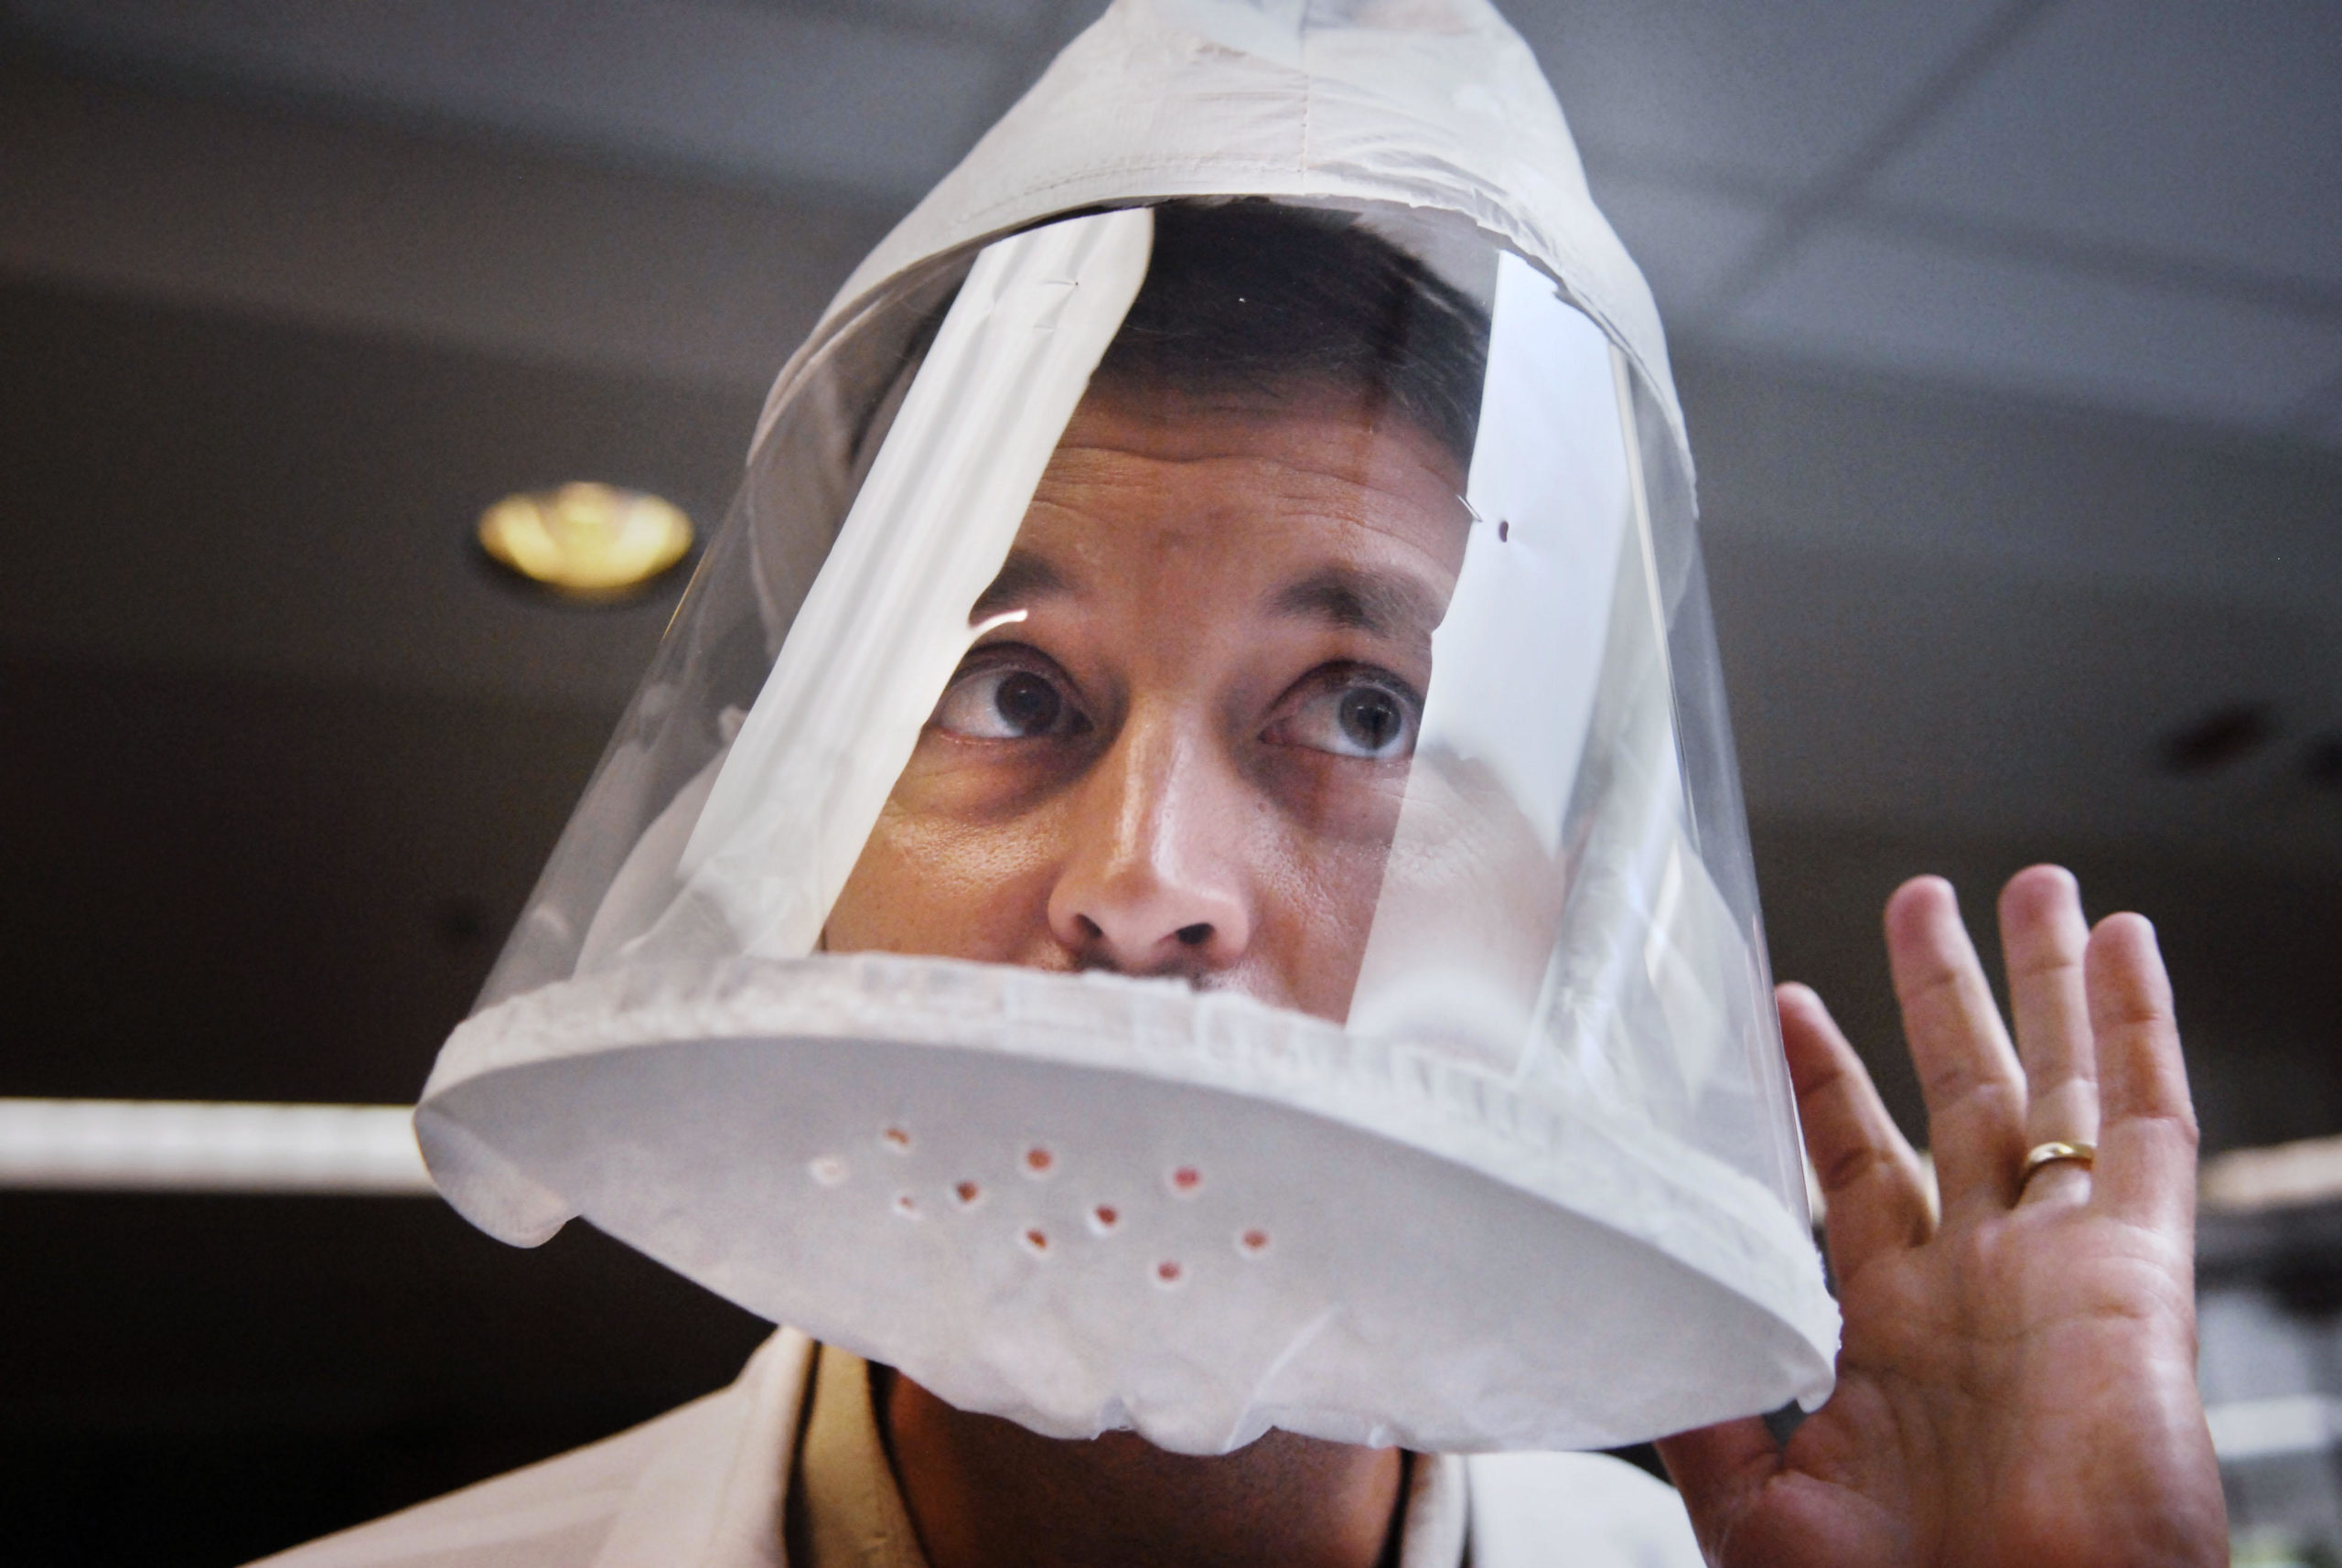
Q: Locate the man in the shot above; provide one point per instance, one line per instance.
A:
(1191, 748)
(1181, 745)
(1184, 757)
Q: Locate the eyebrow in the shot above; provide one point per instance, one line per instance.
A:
(1385, 603)
(1023, 577)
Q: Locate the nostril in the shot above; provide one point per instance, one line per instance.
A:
(1090, 931)
(1194, 935)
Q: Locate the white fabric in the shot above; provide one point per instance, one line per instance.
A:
(1447, 1264)
(1533, 1510)
(703, 1487)
(1431, 103)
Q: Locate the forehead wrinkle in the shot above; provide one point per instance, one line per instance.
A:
(1384, 604)
(1345, 460)
(1163, 487)
(1081, 479)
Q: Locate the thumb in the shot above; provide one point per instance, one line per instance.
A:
(1718, 1469)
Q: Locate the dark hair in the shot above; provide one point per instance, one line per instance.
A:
(1249, 298)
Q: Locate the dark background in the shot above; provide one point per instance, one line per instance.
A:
(2020, 422)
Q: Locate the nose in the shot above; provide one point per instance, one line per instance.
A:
(1155, 881)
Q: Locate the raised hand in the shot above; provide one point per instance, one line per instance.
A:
(2017, 1384)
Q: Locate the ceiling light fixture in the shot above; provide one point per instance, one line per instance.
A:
(585, 541)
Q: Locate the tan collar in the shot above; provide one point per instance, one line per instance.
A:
(845, 1510)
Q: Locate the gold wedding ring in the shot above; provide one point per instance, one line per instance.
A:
(2082, 1154)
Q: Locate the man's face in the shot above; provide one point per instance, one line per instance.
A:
(1188, 756)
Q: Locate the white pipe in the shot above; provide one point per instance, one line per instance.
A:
(2270, 1428)
(2282, 1176)
(165, 1145)
(162, 1145)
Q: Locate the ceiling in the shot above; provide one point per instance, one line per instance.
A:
(2124, 203)
(2019, 324)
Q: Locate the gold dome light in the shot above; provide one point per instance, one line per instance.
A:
(588, 539)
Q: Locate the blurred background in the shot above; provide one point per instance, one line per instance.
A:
(2010, 334)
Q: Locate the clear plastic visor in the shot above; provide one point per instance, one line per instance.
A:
(1345, 683)
(1297, 604)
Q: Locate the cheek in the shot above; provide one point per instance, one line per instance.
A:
(950, 888)
(1313, 906)
(1340, 808)
(1317, 876)
(1471, 887)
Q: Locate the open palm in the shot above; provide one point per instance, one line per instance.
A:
(2017, 1384)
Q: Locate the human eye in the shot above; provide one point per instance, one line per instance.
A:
(1350, 711)
(1009, 698)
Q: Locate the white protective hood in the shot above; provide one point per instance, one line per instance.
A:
(1090, 1201)
(1427, 103)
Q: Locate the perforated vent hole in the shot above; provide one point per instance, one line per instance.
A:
(1104, 1219)
(906, 1206)
(895, 1140)
(1036, 1240)
(1187, 1181)
(1251, 1243)
(967, 1194)
(1039, 1162)
(827, 1169)
(1170, 1272)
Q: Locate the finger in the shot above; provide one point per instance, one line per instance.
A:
(2146, 1148)
(1719, 1469)
(1870, 1179)
(1968, 1072)
(2043, 936)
